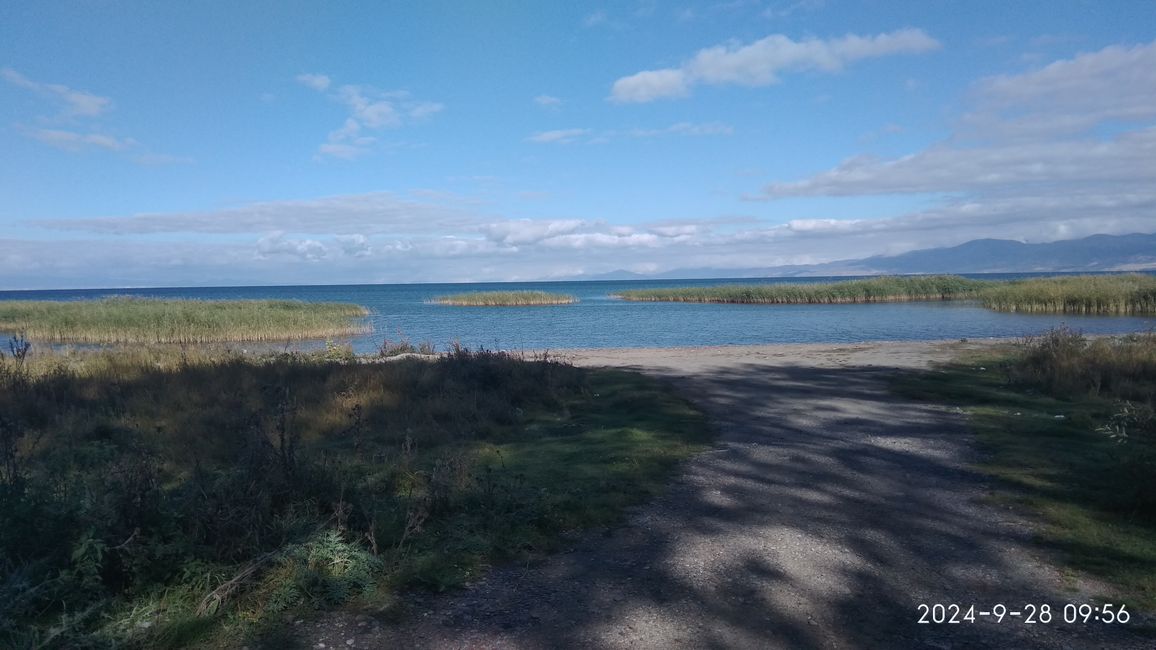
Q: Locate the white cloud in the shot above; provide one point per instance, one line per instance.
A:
(1026, 134)
(82, 263)
(558, 136)
(422, 110)
(568, 136)
(372, 213)
(1065, 165)
(1020, 218)
(356, 245)
(999, 176)
(823, 226)
(434, 247)
(75, 127)
(602, 240)
(784, 11)
(370, 109)
(548, 101)
(685, 230)
(317, 82)
(1068, 96)
(761, 63)
(685, 128)
(345, 150)
(595, 19)
(527, 231)
(75, 141)
(1028, 161)
(276, 243)
(649, 85)
(73, 103)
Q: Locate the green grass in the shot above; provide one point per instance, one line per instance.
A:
(160, 498)
(505, 299)
(882, 289)
(1091, 490)
(1085, 294)
(146, 320)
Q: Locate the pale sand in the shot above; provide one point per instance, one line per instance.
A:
(880, 354)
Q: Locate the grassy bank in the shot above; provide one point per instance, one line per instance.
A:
(505, 299)
(160, 499)
(146, 320)
(1066, 427)
(883, 289)
(1085, 294)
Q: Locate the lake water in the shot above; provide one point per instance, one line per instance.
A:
(599, 321)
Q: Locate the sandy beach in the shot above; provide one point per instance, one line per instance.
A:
(878, 354)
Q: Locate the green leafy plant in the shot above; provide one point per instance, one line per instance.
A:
(157, 497)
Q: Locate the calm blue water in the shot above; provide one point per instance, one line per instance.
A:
(598, 321)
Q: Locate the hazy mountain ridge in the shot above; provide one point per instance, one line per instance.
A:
(1097, 253)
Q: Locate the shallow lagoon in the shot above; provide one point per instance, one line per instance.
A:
(600, 321)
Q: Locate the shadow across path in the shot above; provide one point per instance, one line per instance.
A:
(826, 513)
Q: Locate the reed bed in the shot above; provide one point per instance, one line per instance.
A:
(1082, 294)
(126, 320)
(882, 289)
(505, 299)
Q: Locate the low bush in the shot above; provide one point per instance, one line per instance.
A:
(158, 497)
(1119, 375)
(1066, 363)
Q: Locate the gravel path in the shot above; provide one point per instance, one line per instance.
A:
(828, 510)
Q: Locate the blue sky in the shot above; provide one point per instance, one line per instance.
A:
(224, 143)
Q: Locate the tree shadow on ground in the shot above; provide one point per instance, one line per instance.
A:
(826, 513)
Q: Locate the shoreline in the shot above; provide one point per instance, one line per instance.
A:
(904, 353)
(879, 354)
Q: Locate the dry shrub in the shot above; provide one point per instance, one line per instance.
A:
(1118, 376)
(1067, 364)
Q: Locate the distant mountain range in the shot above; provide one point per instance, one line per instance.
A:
(1097, 253)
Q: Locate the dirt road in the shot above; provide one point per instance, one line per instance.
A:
(827, 512)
